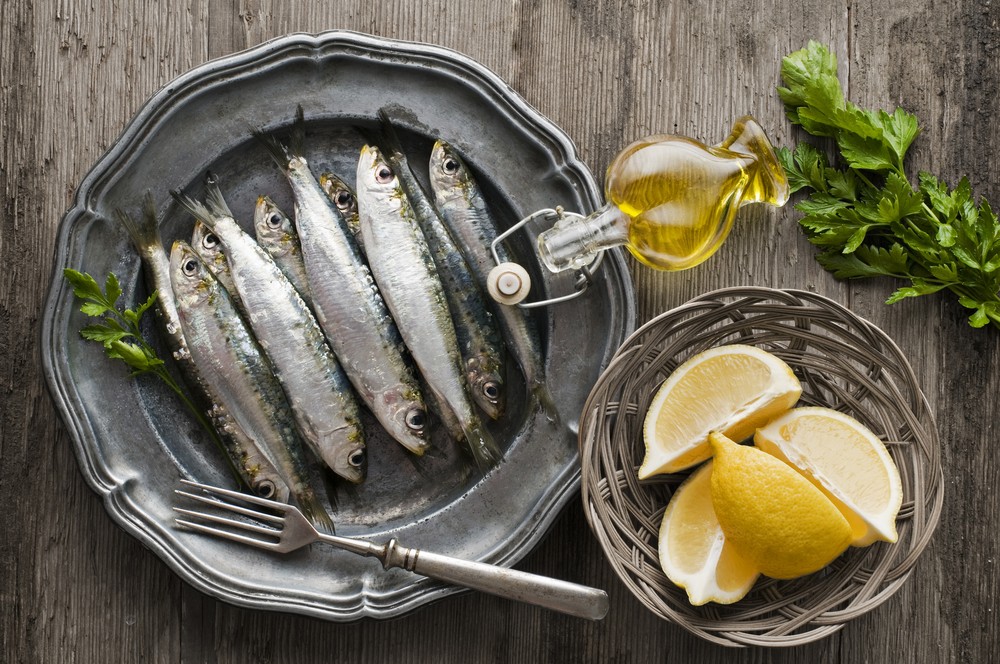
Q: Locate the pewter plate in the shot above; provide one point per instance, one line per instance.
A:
(134, 441)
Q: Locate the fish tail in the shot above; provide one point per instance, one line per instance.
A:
(484, 449)
(278, 151)
(388, 138)
(196, 208)
(384, 137)
(145, 232)
(314, 510)
(298, 138)
(213, 197)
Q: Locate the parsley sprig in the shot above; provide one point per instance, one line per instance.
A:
(863, 213)
(120, 334)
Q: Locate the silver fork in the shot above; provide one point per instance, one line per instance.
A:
(292, 531)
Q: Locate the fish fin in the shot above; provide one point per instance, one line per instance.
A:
(298, 138)
(196, 208)
(484, 449)
(278, 151)
(146, 231)
(384, 137)
(213, 197)
(314, 510)
(387, 132)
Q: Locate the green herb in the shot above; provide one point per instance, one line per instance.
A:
(863, 213)
(121, 336)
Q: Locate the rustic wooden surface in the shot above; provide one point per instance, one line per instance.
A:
(75, 588)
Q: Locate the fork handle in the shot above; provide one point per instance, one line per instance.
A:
(563, 596)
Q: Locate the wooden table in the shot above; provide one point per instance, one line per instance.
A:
(76, 588)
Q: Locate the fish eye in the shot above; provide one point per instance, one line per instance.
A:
(343, 199)
(190, 267)
(210, 241)
(274, 220)
(491, 390)
(265, 489)
(383, 174)
(450, 165)
(416, 418)
(356, 458)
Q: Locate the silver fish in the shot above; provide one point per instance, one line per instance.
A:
(276, 234)
(345, 200)
(405, 272)
(235, 369)
(350, 308)
(250, 463)
(463, 208)
(478, 338)
(317, 390)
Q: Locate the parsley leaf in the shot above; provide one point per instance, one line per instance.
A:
(864, 214)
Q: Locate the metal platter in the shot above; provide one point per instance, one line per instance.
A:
(133, 439)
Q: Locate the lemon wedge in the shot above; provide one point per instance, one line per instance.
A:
(694, 552)
(773, 516)
(732, 389)
(848, 463)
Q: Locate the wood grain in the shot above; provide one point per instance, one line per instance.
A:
(75, 588)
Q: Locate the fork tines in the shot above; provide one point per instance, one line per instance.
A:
(207, 495)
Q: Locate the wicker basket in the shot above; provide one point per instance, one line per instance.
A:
(843, 362)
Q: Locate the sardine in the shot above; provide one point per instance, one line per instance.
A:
(404, 270)
(463, 208)
(478, 338)
(236, 371)
(276, 234)
(250, 463)
(345, 200)
(317, 390)
(350, 308)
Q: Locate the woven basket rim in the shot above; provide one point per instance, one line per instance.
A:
(837, 352)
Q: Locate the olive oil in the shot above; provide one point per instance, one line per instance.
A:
(672, 200)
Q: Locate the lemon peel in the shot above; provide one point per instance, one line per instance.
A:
(774, 517)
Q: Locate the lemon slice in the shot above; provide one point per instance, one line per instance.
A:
(694, 553)
(731, 389)
(846, 461)
(773, 516)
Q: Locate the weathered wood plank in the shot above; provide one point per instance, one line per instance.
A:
(900, 56)
(75, 587)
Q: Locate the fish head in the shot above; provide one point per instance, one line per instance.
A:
(267, 486)
(486, 386)
(352, 460)
(449, 174)
(190, 278)
(407, 418)
(209, 248)
(272, 226)
(340, 194)
(375, 175)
